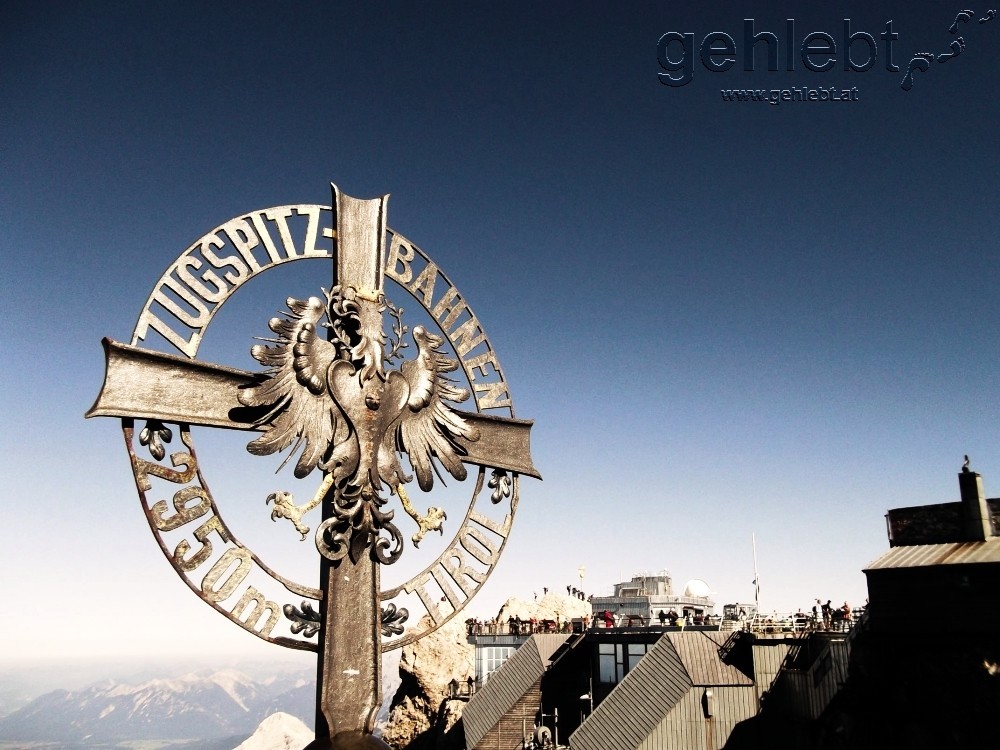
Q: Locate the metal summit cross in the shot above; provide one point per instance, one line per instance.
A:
(328, 400)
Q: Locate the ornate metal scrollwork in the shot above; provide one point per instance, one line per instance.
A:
(151, 436)
(393, 619)
(398, 331)
(500, 484)
(305, 621)
(356, 525)
(357, 327)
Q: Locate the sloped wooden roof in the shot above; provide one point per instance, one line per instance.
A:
(506, 686)
(953, 553)
(699, 653)
(634, 708)
(768, 657)
(675, 664)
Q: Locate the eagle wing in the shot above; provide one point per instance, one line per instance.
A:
(428, 427)
(301, 407)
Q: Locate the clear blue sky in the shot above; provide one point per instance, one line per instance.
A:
(725, 318)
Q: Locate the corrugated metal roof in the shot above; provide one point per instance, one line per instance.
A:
(547, 644)
(634, 708)
(699, 652)
(954, 553)
(506, 686)
(768, 656)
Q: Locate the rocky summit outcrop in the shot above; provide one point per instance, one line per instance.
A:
(549, 607)
(422, 716)
(279, 731)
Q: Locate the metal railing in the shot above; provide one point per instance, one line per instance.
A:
(797, 623)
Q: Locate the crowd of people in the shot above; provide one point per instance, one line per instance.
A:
(574, 591)
(516, 626)
(570, 591)
(821, 617)
(827, 617)
(686, 618)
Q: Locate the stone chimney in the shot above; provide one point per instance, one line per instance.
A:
(975, 512)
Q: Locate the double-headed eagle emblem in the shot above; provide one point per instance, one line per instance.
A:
(329, 399)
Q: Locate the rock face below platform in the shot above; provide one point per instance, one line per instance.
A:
(421, 716)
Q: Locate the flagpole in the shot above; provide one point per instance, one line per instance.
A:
(756, 579)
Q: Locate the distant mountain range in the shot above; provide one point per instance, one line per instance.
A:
(204, 709)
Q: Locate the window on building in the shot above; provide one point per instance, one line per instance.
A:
(635, 652)
(606, 662)
(615, 660)
(490, 658)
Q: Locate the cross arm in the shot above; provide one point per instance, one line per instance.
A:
(144, 384)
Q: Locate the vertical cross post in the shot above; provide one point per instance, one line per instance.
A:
(348, 689)
(348, 680)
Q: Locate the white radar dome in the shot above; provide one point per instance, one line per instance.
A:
(697, 587)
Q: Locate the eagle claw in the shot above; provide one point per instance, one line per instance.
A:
(433, 521)
(285, 508)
